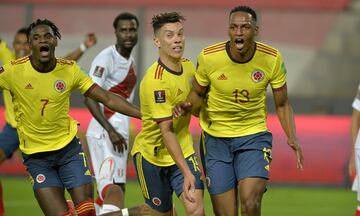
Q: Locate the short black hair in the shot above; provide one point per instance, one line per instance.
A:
(246, 9)
(125, 16)
(43, 22)
(22, 31)
(168, 17)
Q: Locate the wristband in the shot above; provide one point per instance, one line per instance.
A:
(83, 47)
(125, 212)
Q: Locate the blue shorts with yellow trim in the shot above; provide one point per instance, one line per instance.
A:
(64, 168)
(228, 160)
(158, 183)
(9, 140)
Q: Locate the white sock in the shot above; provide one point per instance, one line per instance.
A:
(106, 208)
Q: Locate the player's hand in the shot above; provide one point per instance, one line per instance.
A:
(181, 109)
(351, 167)
(90, 40)
(189, 187)
(118, 141)
(294, 144)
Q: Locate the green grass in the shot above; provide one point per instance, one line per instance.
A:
(278, 201)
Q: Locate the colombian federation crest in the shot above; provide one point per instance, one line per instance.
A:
(257, 76)
(40, 178)
(60, 85)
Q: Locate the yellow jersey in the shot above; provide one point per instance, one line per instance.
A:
(160, 90)
(236, 102)
(41, 102)
(6, 55)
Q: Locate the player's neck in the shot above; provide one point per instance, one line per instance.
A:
(123, 52)
(242, 56)
(172, 63)
(43, 67)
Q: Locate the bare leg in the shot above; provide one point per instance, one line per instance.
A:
(251, 192)
(225, 204)
(51, 200)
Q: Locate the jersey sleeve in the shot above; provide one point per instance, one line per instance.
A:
(356, 103)
(6, 55)
(99, 70)
(278, 78)
(5, 76)
(201, 76)
(82, 81)
(158, 97)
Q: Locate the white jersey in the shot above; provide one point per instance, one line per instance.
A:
(356, 105)
(117, 74)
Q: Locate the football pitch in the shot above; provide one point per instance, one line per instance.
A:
(277, 201)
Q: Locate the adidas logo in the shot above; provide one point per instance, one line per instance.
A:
(29, 86)
(222, 77)
(87, 173)
(179, 92)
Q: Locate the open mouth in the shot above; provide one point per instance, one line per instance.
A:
(44, 51)
(177, 48)
(239, 43)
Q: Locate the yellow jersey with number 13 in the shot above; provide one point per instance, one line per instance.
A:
(236, 101)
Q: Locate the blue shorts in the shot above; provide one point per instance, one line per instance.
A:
(158, 183)
(64, 168)
(228, 160)
(9, 140)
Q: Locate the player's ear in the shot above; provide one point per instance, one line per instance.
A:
(156, 42)
(56, 42)
(256, 30)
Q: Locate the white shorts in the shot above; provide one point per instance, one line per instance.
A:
(101, 149)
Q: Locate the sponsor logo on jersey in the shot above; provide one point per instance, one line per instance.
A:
(156, 201)
(40, 178)
(179, 92)
(257, 76)
(222, 77)
(29, 86)
(60, 86)
(159, 96)
(99, 71)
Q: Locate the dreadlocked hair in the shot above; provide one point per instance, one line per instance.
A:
(43, 22)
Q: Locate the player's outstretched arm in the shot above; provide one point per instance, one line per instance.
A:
(286, 116)
(113, 101)
(118, 141)
(355, 125)
(90, 41)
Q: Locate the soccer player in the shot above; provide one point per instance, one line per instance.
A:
(163, 151)
(234, 75)
(108, 133)
(9, 139)
(41, 85)
(354, 163)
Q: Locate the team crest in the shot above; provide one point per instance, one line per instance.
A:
(159, 96)
(60, 86)
(40, 178)
(98, 72)
(257, 76)
(156, 201)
